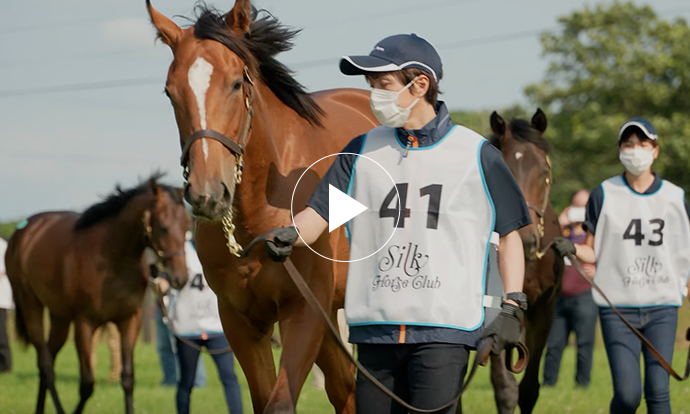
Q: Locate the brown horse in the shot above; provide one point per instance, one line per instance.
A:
(525, 150)
(90, 269)
(248, 131)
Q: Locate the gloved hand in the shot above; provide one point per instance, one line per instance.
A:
(563, 246)
(505, 329)
(280, 247)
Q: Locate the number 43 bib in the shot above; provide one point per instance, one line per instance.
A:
(432, 272)
(642, 245)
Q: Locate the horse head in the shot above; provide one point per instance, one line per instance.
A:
(525, 151)
(210, 86)
(166, 225)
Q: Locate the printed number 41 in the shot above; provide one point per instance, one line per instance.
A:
(434, 193)
(634, 232)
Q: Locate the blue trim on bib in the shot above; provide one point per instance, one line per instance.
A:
(349, 185)
(399, 141)
(200, 333)
(640, 194)
(493, 224)
(431, 325)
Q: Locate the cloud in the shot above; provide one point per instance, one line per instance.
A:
(128, 32)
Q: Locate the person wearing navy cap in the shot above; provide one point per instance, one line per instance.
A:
(638, 233)
(415, 322)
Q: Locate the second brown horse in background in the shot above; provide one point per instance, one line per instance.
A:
(89, 268)
(525, 150)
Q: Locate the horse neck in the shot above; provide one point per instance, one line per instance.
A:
(273, 127)
(125, 234)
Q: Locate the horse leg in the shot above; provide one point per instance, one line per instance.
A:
(252, 348)
(32, 312)
(537, 327)
(83, 336)
(505, 385)
(129, 329)
(302, 332)
(338, 372)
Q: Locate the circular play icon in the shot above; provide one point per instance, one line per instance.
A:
(343, 207)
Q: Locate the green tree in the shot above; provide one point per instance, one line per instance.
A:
(607, 64)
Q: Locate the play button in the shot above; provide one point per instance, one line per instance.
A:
(341, 208)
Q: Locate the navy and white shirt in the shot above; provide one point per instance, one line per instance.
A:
(510, 207)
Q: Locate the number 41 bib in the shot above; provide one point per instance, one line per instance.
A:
(642, 245)
(432, 272)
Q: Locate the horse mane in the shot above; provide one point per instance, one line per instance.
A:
(116, 201)
(523, 131)
(266, 38)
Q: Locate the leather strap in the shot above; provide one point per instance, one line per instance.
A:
(665, 364)
(234, 147)
(481, 357)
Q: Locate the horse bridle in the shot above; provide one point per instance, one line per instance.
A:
(161, 255)
(541, 212)
(237, 148)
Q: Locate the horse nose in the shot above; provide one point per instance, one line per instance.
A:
(215, 195)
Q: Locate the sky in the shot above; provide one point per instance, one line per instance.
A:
(81, 103)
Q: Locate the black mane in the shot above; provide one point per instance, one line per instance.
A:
(523, 131)
(115, 202)
(266, 38)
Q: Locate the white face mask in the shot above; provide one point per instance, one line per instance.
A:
(576, 214)
(636, 160)
(385, 106)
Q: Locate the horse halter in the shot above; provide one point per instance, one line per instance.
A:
(161, 255)
(541, 212)
(237, 148)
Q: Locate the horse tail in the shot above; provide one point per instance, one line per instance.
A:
(11, 254)
(20, 326)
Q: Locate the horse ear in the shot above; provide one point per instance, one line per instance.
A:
(168, 32)
(240, 17)
(539, 121)
(498, 125)
(155, 188)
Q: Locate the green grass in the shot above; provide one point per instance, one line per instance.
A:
(18, 389)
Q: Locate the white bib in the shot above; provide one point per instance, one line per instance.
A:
(642, 245)
(196, 306)
(432, 272)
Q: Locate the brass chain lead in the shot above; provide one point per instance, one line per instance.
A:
(229, 230)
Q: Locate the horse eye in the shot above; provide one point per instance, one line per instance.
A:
(237, 85)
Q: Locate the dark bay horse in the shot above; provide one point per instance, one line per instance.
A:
(525, 150)
(248, 131)
(89, 268)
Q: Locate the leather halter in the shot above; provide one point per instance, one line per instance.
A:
(541, 212)
(162, 256)
(237, 148)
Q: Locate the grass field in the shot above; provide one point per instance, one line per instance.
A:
(18, 389)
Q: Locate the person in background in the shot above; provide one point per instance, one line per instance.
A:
(197, 323)
(575, 308)
(165, 338)
(113, 346)
(638, 234)
(6, 303)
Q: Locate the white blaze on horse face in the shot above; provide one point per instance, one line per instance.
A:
(199, 77)
(518, 155)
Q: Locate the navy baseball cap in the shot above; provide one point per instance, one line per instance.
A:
(396, 53)
(646, 127)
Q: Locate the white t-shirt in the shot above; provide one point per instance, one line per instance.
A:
(6, 301)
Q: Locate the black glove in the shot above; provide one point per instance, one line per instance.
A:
(280, 247)
(505, 329)
(563, 246)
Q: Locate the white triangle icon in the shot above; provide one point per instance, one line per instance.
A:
(341, 208)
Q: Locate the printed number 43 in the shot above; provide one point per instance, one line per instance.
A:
(634, 232)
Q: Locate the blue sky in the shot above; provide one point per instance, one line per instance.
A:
(65, 150)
